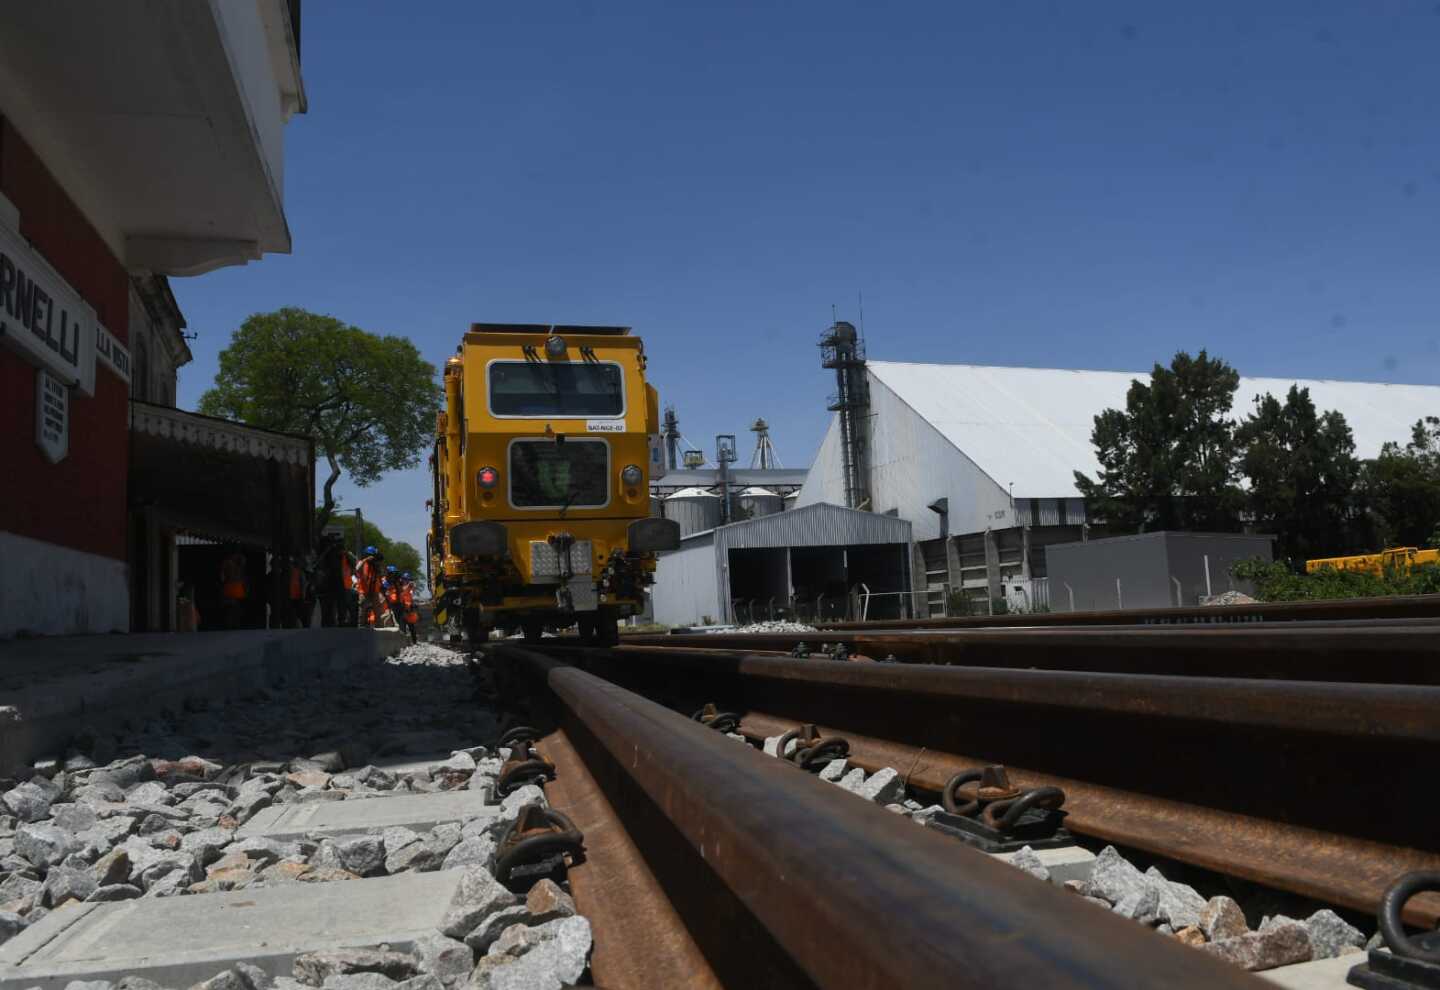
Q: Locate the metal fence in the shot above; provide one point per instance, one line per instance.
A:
(861, 604)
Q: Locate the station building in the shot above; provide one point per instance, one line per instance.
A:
(138, 142)
(981, 460)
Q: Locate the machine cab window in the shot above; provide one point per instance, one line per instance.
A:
(557, 388)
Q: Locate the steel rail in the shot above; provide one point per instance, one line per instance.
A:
(855, 896)
(1387, 654)
(640, 941)
(1284, 783)
(1393, 607)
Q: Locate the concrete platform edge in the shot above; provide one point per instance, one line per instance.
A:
(36, 720)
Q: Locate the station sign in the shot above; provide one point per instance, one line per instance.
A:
(42, 317)
(52, 416)
(111, 353)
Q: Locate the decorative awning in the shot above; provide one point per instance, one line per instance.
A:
(222, 480)
(219, 434)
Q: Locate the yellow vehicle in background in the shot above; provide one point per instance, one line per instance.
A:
(1399, 558)
(543, 456)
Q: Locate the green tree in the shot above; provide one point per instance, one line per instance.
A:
(1402, 487)
(1167, 461)
(368, 401)
(1303, 475)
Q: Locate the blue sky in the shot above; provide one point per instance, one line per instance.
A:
(1052, 184)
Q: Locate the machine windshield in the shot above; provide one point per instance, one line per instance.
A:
(535, 388)
(570, 475)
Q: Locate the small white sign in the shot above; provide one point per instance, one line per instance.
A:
(111, 353)
(52, 416)
(604, 426)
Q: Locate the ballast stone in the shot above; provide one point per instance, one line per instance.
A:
(1113, 878)
(314, 968)
(834, 770)
(1029, 862)
(1179, 904)
(1222, 919)
(44, 845)
(478, 895)
(853, 780)
(28, 802)
(448, 960)
(1330, 935)
(1281, 945)
(885, 786)
(494, 924)
(546, 957)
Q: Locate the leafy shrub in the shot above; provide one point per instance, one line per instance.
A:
(1275, 582)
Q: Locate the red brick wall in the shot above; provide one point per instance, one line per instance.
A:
(79, 502)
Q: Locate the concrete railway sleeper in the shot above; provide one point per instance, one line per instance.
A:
(774, 878)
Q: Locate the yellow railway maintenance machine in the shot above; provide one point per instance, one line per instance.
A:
(543, 457)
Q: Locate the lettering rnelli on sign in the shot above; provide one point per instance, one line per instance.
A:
(43, 317)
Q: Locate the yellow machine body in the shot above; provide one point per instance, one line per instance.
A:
(540, 514)
(1399, 558)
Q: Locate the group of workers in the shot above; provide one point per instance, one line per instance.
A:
(366, 592)
(386, 594)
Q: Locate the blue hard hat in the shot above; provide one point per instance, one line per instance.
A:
(390, 568)
(406, 575)
(371, 551)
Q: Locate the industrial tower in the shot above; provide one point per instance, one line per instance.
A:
(842, 349)
(671, 433)
(764, 456)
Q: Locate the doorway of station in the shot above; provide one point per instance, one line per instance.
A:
(199, 575)
(811, 584)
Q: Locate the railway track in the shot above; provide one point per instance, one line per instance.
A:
(1249, 767)
(1260, 755)
(1387, 651)
(707, 864)
(1396, 607)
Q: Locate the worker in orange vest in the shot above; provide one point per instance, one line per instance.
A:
(409, 618)
(234, 588)
(368, 582)
(391, 584)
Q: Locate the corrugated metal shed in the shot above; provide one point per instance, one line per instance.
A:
(1031, 426)
(818, 525)
(691, 582)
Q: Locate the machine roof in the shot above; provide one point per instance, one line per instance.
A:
(1031, 426)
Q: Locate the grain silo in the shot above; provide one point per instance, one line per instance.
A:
(757, 501)
(695, 509)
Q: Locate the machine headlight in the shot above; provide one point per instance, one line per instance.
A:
(488, 477)
(632, 475)
(555, 346)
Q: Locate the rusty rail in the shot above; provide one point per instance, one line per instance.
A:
(1395, 607)
(1312, 787)
(848, 894)
(1382, 653)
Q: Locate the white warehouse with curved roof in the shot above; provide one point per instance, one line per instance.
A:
(981, 460)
